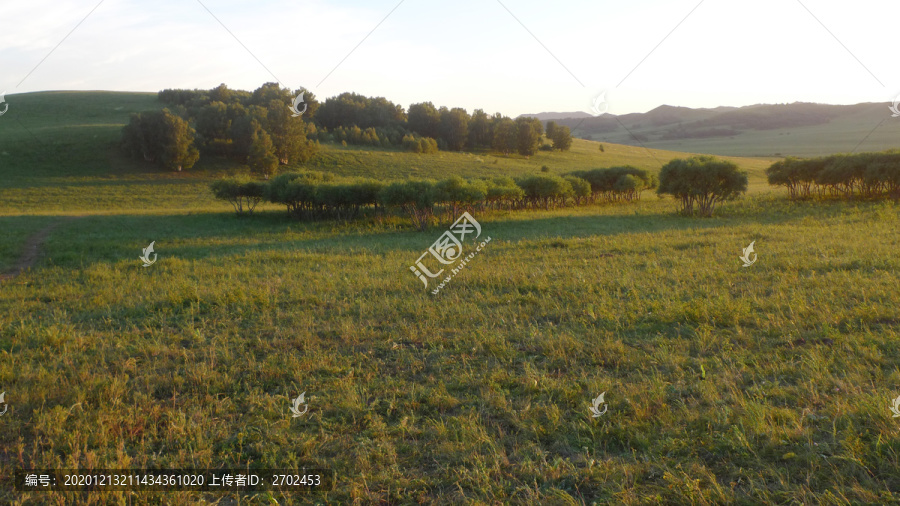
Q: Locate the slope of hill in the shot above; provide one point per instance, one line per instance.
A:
(799, 129)
(59, 151)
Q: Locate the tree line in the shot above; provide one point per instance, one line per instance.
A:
(257, 128)
(311, 195)
(450, 129)
(868, 175)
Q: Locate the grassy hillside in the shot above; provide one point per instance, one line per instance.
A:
(478, 395)
(761, 130)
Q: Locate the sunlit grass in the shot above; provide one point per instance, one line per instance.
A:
(479, 393)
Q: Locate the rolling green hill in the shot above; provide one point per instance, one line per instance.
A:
(798, 129)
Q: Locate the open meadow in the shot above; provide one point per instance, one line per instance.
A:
(769, 384)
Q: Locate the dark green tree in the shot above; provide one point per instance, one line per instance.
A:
(220, 93)
(424, 119)
(243, 128)
(454, 128)
(268, 92)
(505, 135)
(289, 135)
(161, 137)
(528, 135)
(551, 128)
(262, 158)
(479, 135)
(213, 127)
(561, 137)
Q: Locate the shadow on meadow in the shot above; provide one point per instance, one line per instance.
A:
(195, 236)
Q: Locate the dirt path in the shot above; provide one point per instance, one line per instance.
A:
(32, 249)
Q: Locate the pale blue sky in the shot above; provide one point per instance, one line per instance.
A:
(468, 53)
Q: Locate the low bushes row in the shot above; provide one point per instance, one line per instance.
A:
(618, 183)
(867, 175)
(317, 195)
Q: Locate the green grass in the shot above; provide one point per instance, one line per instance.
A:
(479, 394)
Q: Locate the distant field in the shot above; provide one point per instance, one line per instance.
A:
(866, 127)
(855, 135)
(477, 395)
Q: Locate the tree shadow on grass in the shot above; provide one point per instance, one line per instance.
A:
(117, 237)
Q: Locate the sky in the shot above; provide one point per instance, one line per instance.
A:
(507, 56)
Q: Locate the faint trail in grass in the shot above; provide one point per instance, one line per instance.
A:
(32, 248)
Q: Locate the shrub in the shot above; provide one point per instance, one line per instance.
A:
(618, 183)
(865, 174)
(297, 191)
(243, 194)
(883, 173)
(701, 182)
(503, 191)
(415, 198)
(581, 189)
(545, 189)
(417, 144)
(459, 193)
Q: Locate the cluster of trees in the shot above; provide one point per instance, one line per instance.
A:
(257, 128)
(316, 195)
(560, 135)
(618, 183)
(701, 182)
(451, 129)
(161, 137)
(371, 136)
(254, 128)
(522, 136)
(868, 175)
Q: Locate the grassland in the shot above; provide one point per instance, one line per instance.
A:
(867, 127)
(477, 395)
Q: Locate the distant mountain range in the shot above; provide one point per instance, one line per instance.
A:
(800, 129)
(552, 116)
